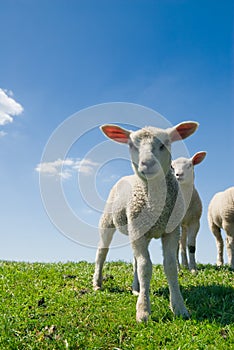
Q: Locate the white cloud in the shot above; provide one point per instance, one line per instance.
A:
(2, 134)
(84, 166)
(66, 168)
(8, 108)
(111, 178)
(55, 168)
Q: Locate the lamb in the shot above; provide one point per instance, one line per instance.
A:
(146, 205)
(184, 173)
(221, 216)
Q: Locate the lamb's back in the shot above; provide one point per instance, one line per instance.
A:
(221, 207)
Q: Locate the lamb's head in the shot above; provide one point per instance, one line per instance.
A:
(150, 147)
(184, 167)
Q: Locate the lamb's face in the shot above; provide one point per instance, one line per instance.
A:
(150, 147)
(150, 150)
(183, 169)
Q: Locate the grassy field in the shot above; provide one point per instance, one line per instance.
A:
(52, 306)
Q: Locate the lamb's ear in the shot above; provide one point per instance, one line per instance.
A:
(115, 133)
(198, 157)
(182, 130)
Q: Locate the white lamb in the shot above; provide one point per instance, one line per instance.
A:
(143, 207)
(184, 173)
(221, 216)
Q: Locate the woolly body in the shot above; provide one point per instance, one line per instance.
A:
(221, 216)
(130, 201)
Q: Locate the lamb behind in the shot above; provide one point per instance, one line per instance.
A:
(221, 216)
(184, 172)
(146, 205)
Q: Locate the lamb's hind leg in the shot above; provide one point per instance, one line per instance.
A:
(229, 228)
(192, 234)
(106, 235)
(182, 244)
(170, 243)
(219, 243)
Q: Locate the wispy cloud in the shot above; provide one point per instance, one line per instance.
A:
(85, 166)
(2, 134)
(111, 178)
(65, 168)
(8, 107)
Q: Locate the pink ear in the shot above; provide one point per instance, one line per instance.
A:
(116, 133)
(198, 157)
(183, 130)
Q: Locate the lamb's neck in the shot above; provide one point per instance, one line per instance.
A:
(187, 190)
(159, 183)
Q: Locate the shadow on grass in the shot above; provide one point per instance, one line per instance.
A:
(116, 289)
(111, 286)
(214, 303)
(209, 267)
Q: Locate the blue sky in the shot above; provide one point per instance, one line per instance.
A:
(61, 57)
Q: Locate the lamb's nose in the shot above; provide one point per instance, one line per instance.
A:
(179, 175)
(148, 162)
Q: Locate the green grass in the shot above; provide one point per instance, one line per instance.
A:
(52, 306)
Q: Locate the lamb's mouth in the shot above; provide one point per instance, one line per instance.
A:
(180, 178)
(148, 174)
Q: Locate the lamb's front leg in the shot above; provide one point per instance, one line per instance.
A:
(106, 235)
(170, 243)
(144, 273)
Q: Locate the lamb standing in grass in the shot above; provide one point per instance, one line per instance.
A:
(184, 173)
(221, 216)
(146, 205)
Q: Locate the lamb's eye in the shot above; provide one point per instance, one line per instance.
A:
(162, 147)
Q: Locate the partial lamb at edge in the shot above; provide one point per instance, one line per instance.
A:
(184, 173)
(221, 216)
(146, 205)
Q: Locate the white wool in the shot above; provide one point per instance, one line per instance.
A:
(221, 216)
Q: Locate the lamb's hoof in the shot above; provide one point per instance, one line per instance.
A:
(95, 288)
(193, 272)
(180, 311)
(142, 316)
(183, 313)
(135, 292)
(186, 315)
